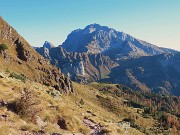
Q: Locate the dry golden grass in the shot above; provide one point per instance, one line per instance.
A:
(66, 106)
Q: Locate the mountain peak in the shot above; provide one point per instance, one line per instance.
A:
(95, 38)
(48, 45)
(95, 27)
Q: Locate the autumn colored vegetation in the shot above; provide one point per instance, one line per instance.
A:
(163, 108)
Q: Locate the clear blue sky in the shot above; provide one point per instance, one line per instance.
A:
(155, 21)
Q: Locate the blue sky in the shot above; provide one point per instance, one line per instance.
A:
(155, 21)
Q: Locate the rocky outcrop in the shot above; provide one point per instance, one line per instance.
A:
(40, 122)
(62, 124)
(20, 57)
(48, 45)
(22, 53)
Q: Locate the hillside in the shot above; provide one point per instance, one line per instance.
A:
(20, 58)
(93, 108)
(159, 74)
(37, 99)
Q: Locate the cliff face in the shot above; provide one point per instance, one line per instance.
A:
(20, 57)
(83, 65)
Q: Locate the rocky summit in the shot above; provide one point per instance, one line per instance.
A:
(17, 56)
(95, 39)
(100, 53)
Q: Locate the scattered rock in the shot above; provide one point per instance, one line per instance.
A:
(91, 113)
(3, 103)
(40, 122)
(56, 134)
(95, 129)
(62, 124)
(30, 133)
(3, 117)
(125, 125)
(1, 76)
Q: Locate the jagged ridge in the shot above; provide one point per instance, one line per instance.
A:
(92, 66)
(96, 39)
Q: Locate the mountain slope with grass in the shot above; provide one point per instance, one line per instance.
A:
(18, 57)
(95, 108)
(37, 99)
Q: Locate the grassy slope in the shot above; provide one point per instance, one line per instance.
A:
(98, 106)
(65, 106)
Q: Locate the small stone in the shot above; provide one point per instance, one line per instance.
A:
(40, 122)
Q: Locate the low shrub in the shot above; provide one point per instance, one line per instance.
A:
(18, 76)
(3, 47)
(81, 101)
(28, 104)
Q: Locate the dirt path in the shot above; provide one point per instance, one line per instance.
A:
(95, 129)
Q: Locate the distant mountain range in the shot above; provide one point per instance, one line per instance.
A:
(99, 53)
